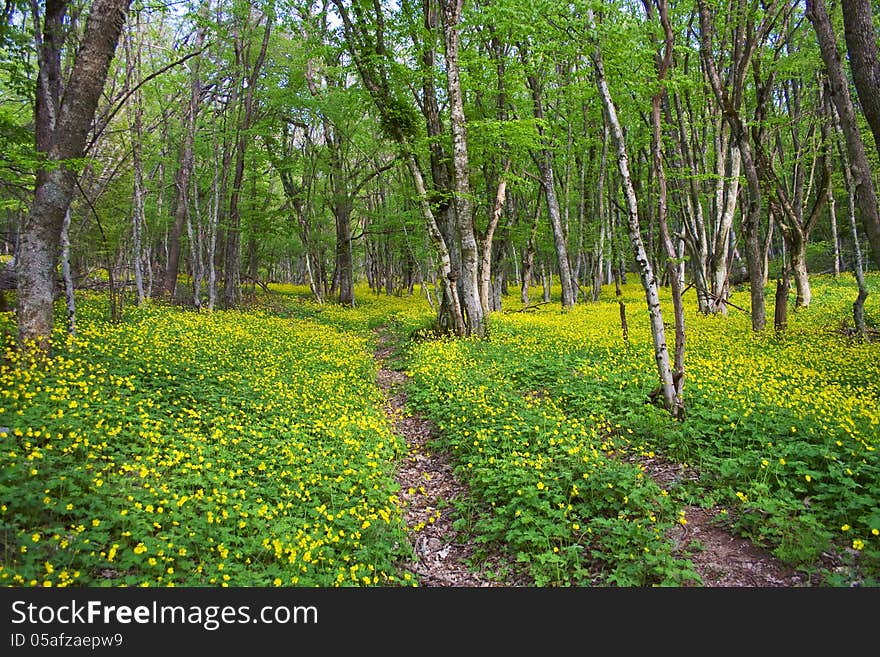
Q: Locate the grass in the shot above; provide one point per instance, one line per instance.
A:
(250, 448)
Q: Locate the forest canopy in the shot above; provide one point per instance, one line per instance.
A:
(466, 146)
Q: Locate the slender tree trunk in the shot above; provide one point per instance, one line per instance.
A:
(643, 262)
(232, 266)
(450, 290)
(184, 174)
(720, 260)
(835, 236)
(787, 207)
(599, 256)
(217, 195)
(663, 62)
(137, 211)
(730, 101)
(544, 162)
(197, 239)
(370, 61)
(546, 282)
(780, 314)
(66, 273)
(344, 260)
(440, 168)
(528, 261)
(487, 241)
(858, 265)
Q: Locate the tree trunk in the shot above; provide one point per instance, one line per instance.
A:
(137, 211)
(865, 192)
(528, 259)
(835, 237)
(643, 262)
(461, 172)
(61, 129)
(729, 100)
(232, 266)
(66, 273)
(184, 173)
(196, 240)
(780, 314)
(864, 59)
(441, 193)
(546, 282)
(719, 262)
(544, 162)
(601, 219)
(798, 260)
(663, 62)
(858, 266)
(487, 240)
(344, 261)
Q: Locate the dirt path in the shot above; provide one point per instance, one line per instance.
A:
(428, 486)
(442, 556)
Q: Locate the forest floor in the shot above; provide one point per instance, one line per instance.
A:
(445, 557)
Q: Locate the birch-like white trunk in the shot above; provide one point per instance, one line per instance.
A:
(643, 262)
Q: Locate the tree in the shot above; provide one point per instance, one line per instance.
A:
(671, 397)
(366, 44)
(663, 60)
(865, 192)
(748, 38)
(185, 166)
(451, 12)
(62, 124)
(864, 59)
(544, 162)
(250, 75)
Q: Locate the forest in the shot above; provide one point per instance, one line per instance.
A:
(615, 263)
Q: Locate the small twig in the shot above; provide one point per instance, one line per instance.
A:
(728, 302)
(529, 307)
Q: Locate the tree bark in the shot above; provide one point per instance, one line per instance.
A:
(470, 286)
(858, 265)
(486, 242)
(544, 162)
(61, 130)
(865, 192)
(232, 264)
(70, 300)
(780, 312)
(440, 167)
(370, 63)
(663, 62)
(864, 59)
(528, 258)
(139, 192)
(749, 38)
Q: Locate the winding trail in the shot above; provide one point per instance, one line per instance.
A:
(428, 487)
(443, 556)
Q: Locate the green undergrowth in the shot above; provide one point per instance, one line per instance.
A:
(198, 449)
(251, 448)
(551, 421)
